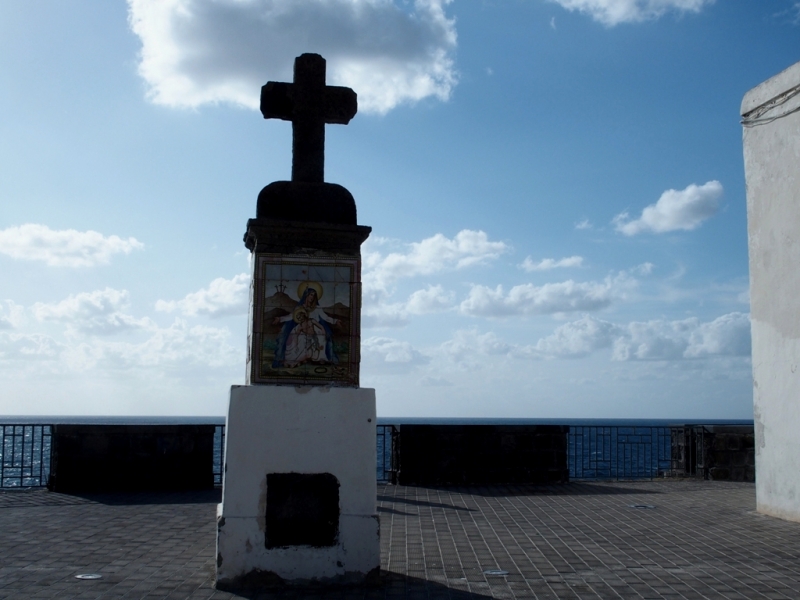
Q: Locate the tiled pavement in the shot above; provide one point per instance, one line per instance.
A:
(580, 540)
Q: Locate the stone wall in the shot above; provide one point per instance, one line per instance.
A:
(482, 454)
(731, 454)
(105, 458)
(717, 452)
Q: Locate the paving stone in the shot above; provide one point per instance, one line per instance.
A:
(578, 540)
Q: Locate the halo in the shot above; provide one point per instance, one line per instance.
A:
(301, 289)
(298, 311)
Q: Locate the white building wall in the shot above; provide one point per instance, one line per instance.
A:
(771, 119)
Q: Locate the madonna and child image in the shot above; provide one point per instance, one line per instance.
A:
(306, 332)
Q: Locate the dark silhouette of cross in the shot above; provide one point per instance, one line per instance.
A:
(309, 104)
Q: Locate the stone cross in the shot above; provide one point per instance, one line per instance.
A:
(309, 104)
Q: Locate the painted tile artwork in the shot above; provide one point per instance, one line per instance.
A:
(306, 321)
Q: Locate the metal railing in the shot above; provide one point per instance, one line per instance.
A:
(690, 449)
(387, 453)
(219, 453)
(619, 452)
(25, 455)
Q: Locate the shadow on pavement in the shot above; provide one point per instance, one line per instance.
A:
(560, 489)
(402, 500)
(392, 585)
(140, 498)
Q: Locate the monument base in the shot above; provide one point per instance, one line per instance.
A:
(299, 488)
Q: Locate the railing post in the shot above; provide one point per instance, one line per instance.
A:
(395, 456)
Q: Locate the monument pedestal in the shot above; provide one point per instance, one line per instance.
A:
(299, 487)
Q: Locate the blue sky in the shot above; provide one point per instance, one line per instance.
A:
(555, 188)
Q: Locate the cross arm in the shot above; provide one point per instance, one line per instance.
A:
(277, 101)
(340, 105)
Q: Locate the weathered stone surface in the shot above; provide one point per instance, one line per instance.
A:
(771, 145)
(286, 429)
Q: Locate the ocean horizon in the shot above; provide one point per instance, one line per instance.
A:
(220, 420)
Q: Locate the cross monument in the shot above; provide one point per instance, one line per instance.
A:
(299, 488)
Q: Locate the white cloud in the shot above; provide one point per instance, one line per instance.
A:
(657, 340)
(97, 312)
(222, 297)
(208, 51)
(675, 210)
(551, 298)
(654, 340)
(379, 314)
(468, 344)
(585, 224)
(431, 255)
(174, 348)
(11, 315)
(550, 263)
(578, 338)
(728, 335)
(64, 248)
(36, 346)
(432, 299)
(384, 354)
(614, 12)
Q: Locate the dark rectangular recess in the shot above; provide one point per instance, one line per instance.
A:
(302, 509)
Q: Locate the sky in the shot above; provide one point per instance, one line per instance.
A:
(555, 190)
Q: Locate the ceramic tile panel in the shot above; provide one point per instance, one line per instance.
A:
(306, 318)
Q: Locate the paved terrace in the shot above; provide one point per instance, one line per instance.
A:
(580, 540)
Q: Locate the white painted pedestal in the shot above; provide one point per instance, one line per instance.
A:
(302, 429)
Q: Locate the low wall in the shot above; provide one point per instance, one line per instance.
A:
(482, 454)
(717, 452)
(731, 454)
(104, 458)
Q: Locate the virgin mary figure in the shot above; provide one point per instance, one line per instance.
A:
(306, 334)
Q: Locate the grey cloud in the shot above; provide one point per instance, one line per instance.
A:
(208, 51)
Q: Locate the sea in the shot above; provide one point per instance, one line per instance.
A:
(220, 420)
